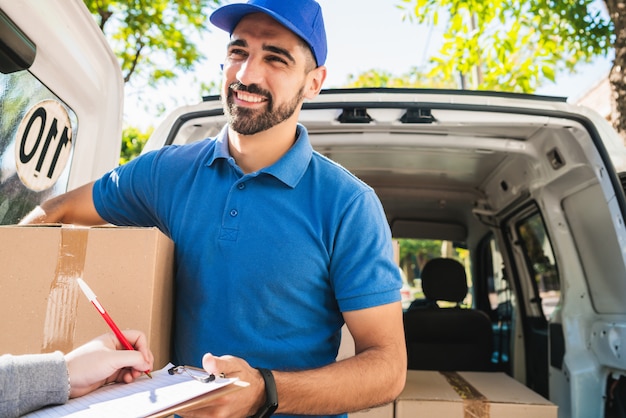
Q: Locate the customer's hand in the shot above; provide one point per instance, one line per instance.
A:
(104, 360)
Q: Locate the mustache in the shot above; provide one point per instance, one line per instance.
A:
(252, 88)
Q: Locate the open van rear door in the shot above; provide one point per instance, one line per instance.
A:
(61, 99)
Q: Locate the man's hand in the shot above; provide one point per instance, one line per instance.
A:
(242, 403)
(74, 207)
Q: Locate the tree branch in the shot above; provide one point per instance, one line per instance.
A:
(133, 65)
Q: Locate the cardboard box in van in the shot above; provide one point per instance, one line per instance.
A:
(42, 307)
(469, 394)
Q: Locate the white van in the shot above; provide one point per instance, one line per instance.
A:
(526, 192)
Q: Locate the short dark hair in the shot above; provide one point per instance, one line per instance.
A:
(310, 63)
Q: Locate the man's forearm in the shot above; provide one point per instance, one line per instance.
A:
(371, 378)
(73, 207)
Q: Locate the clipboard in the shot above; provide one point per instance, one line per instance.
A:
(201, 400)
(161, 396)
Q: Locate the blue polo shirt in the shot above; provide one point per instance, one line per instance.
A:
(265, 262)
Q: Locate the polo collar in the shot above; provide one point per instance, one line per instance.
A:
(289, 168)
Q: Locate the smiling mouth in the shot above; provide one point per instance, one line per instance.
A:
(248, 97)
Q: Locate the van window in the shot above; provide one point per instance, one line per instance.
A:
(36, 144)
(540, 262)
(499, 289)
(502, 302)
(415, 253)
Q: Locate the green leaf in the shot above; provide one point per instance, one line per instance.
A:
(517, 45)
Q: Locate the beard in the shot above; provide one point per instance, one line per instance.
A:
(247, 121)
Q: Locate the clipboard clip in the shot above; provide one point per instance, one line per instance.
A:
(198, 374)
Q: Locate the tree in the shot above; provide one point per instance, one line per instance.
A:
(518, 45)
(617, 12)
(133, 141)
(383, 78)
(153, 38)
(153, 41)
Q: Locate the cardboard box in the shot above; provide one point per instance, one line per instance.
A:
(469, 394)
(385, 411)
(42, 308)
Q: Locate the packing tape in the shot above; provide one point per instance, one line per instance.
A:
(475, 404)
(60, 320)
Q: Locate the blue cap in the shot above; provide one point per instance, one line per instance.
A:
(302, 17)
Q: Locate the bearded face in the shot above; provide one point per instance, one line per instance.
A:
(250, 121)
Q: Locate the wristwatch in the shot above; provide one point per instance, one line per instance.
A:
(271, 396)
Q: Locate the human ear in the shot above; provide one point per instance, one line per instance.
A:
(315, 80)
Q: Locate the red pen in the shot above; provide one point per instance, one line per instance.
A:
(92, 298)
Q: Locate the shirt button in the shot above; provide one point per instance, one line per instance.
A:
(233, 212)
(241, 186)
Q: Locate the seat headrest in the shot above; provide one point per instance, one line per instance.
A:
(444, 279)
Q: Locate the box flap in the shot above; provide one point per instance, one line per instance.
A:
(498, 387)
(424, 385)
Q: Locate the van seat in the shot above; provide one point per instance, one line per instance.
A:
(447, 339)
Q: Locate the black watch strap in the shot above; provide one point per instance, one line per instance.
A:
(271, 396)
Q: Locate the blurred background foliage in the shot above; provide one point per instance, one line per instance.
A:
(501, 45)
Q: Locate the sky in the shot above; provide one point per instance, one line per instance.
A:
(362, 35)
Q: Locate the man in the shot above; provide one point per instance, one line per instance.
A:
(276, 246)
